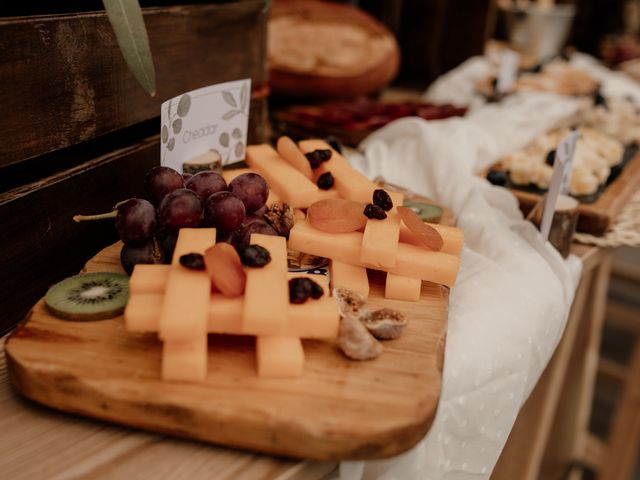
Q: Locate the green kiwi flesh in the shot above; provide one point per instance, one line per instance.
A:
(89, 296)
(426, 212)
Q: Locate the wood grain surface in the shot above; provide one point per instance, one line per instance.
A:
(339, 409)
(63, 79)
(597, 217)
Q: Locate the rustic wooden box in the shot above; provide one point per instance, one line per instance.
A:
(78, 132)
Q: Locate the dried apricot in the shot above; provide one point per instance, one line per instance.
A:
(425, 233)
(225, 269)
(288, 150)
(336, 215)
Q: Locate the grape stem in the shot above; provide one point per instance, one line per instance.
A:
(101, 216)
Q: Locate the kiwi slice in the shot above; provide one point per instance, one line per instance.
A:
(89, 296)
(427, 212)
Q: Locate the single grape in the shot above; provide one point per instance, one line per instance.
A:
(244, 235)
(168, 242)
(224, 211)
(180, 209)
(252, 189)
(136, 221)
(206, 183)
(226, 237)
(261, 211)
(252, 217)
(186, 176)
(160, 181)
(147, 253)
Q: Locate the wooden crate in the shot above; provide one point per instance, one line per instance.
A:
(79, 132)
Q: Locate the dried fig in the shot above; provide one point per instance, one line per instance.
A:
(385, 324)
(355, 340)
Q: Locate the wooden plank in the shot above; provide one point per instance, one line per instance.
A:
(41, 244)
(338, 408)
(597, 217)
(63, 79)
(38, 442)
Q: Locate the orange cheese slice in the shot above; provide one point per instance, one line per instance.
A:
(352, 277)
(185, 308)
(452, 238)
(380, 239)
(411, 261)
(292, 186)
(279, 357)
(230, 174)
(148, 278)
(266, 294)
(348, 182)
(313, 319)
(143, 309)
(399, 287)
(185, 360)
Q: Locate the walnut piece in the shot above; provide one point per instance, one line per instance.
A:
(385, 324)
(280, 217)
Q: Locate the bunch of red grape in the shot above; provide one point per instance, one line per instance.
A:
(149, 229)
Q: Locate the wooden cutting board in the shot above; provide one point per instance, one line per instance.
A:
(597, 217)
(339, 409)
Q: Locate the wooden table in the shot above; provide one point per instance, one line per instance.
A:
(37, 442)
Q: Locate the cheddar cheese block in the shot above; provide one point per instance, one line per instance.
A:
(352, 277)
(412, 261)
(230, 174)
(143, 309)
(380, 238)
(148, 278)
(292, 186)
(316, 318)
(452, 238)
(185, 308)
(399, 287)
(279, 357)
(348, 182)
(266, 293)
(185, 360)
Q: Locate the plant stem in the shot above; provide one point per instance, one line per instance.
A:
(101, 216)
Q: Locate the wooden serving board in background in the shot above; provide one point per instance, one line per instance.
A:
(596, 218)
(339, 409)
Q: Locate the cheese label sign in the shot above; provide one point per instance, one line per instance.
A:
(205, 129)
(559, 180)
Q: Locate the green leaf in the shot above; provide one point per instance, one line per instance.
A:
(228, 98)
(230, 114)
(243, 97)
(127, 22)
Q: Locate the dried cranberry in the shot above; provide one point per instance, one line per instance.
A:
(318, 156)
(551, 158)
(382, 199)
(374, 211)
(192, 261)
(254, 256)
(325, 181)
(300, 289)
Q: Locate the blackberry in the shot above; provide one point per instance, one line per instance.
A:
(318, 156)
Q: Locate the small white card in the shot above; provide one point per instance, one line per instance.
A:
(209, 123)
(508, 74)
(559, 179)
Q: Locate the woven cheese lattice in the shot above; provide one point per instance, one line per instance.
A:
(625, 231)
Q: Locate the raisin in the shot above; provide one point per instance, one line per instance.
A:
(300, 289)
(318, 156)
(374, 211)
(334, 142)
(325, 181)
(551, 158)
(254, 256)
(192, 261)
(382, 199)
